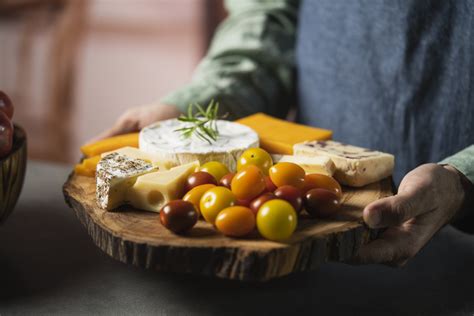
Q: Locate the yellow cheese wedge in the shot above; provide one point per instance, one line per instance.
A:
(153, 190)
(82, 170)
(109, 144)
(136, 153)
(278, 136)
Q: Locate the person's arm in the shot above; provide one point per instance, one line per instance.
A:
(463, 162)
(250, 65)
(249, 68)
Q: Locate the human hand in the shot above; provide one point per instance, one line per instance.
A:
(428, 198)
(136, 118)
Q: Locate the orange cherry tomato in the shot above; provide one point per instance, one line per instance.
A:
(195, 194)
(235, 221)
(321, 181)
(287, 173)
(248, 183)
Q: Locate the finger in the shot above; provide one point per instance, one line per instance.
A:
(395, 210)
(392, 248)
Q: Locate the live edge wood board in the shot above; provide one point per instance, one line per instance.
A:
(136, 237)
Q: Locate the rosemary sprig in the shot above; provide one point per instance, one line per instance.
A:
(202, 123)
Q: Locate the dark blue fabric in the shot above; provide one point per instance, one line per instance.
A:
(396, 76)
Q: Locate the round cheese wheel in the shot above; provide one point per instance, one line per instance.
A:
(163, 140)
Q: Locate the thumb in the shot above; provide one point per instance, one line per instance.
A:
(394, 210)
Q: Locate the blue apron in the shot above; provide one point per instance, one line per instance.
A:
(396, 76)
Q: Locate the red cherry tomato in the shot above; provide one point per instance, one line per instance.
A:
(199, 178)
(6, 105)
(269, 185)
(179, 216)
(259, 201)
(292, 195)
(6, 135)
(321, 203)
(227, 180)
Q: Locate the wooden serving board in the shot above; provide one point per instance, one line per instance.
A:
(138, 238)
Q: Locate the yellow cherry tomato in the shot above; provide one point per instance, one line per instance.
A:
(215, 200)
(276, 220)
(195, 194)
(215, 168)
(235, 221)
(248, 183)
(256, 157)
(287, 173)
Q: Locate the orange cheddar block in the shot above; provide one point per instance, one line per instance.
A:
(82, 170)
(278, 136)
(109, 144)
(91, 163)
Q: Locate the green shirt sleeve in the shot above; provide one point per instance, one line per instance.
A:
(464, 162)
(250, 66)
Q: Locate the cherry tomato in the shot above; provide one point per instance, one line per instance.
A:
(235, 221)
(215, 168)
(321, 181)
(245, 203)
(199, 178)
(270, 186)
(215, 200)
(287, 173)
(259, 201)
(6, 105)
(194, 195)
(178, 216)
(6, 135)
(227, 180)
(255, 157)
(321, 203)
(276, 220)
(292, 195)
(248, 183)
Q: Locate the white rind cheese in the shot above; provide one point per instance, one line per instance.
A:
(355, 166)
(310, 164)
(162, 140)
(136, 153)
(115, 174)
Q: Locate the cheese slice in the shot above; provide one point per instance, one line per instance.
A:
(115, 174)
(278, 136)
(109, 144)
(355, 166)
(153, 190)
(162, 140)
(310, 164)
(136, 153)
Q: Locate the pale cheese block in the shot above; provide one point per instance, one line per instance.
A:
(115, 174)
(162, 139)
(136, 153)
(153, 190)
(310, 164)
(355, 166)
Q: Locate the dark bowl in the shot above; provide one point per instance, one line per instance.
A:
(12, 174)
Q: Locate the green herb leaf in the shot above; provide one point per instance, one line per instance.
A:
(202, 123)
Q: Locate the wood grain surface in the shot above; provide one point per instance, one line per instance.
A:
(136, 237)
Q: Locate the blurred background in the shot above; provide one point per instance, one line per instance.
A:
(71, 67)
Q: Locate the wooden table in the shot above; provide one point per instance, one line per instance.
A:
(49, 265)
